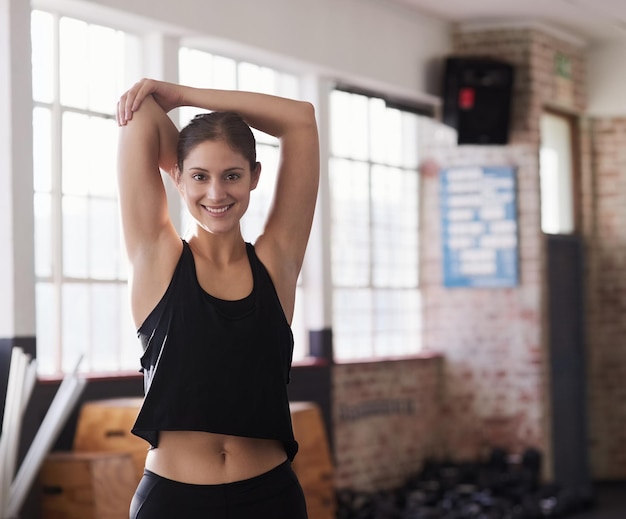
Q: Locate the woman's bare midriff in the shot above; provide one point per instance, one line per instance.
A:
(210, 459)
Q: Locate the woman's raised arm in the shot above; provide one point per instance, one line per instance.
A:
(146, 145)
(293, 122)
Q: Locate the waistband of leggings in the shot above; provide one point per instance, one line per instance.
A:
(266, 477)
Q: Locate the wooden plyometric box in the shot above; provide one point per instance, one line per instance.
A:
(87, 485)
(104, 426)
(313, 464)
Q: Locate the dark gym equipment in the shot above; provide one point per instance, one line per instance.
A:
(492, 489)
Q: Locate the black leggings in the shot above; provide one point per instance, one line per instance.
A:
(277, 494)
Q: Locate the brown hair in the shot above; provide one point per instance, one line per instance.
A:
(215, 126)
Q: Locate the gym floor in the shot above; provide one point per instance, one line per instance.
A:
(611, 502)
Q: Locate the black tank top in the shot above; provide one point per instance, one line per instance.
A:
(216, 366)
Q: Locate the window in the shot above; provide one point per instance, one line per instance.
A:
(374, 220)
(81, 297)
(556, 175)
(202, 69)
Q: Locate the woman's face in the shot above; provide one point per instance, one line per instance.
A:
(215, 183)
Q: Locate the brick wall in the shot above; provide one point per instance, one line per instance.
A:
(605, 229)
(519, 346)
(491, 339)
(494, 340)
(386, 421)
(494, 371)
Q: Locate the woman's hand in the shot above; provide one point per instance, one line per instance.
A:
(167, 95)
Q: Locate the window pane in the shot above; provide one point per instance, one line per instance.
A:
(105, 327)
(410, 128)
(77, 163)
(43, 234)
(397, 322)
(89, 155)
(75, 236)
(42, 149)
(42, 56)
(45, 304)
(288, 86)
(101, 151)
(75, 308)
(104, 240)
(74, 61)
(385, 134)
(106, 54)
(395, 227)
(256, 79)
(352, 323)
(349, 182)
(195, 69)
(349, 125)
(557, 206)
(224, 73)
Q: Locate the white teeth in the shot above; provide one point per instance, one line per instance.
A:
(217, 211)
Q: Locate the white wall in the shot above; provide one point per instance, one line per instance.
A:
(373, 42)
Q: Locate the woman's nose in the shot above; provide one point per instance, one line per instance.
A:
(214, 191)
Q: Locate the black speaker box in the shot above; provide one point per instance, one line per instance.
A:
(477, 99)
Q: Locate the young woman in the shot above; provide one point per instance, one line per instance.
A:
(213, 312)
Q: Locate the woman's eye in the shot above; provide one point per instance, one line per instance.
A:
(232, 176)
(198, 176)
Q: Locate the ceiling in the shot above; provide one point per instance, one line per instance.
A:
(595, 21)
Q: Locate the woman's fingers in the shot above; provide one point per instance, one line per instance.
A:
(167, 96)
(139, 92)
(128, 103)
(121, 114)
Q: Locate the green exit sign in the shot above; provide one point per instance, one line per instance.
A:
(562, 66)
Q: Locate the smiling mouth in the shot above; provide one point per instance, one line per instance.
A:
(217, 211)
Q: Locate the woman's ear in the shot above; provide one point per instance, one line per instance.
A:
(177, 175)
(256, 174)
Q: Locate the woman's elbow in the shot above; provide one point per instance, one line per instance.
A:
(308, 113)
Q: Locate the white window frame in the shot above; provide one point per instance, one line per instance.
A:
(389, 339)
(51, 338)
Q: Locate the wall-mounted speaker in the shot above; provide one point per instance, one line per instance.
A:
(477, 99)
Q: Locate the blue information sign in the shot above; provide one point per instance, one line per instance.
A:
(479, 227)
